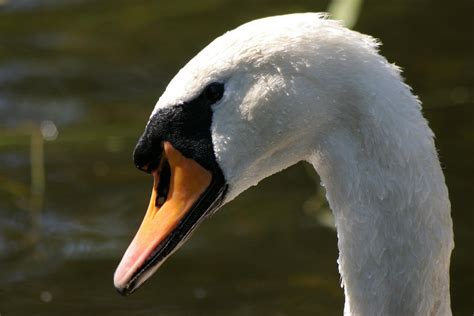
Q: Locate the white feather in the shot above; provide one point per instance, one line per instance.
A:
(301, 87)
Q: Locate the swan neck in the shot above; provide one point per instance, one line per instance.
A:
(392, 214)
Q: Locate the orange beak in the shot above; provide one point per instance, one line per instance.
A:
(168, 220)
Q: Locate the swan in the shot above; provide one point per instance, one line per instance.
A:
(301, 87)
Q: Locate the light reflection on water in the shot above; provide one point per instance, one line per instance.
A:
(95, 69)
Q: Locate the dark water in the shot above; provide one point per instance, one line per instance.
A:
(95, 69)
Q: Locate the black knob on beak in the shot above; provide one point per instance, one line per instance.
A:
(147, 153)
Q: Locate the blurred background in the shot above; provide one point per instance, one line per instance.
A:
(78, 80)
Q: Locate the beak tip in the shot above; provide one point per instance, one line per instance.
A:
(122, 291)
(120, 285)
(123, 288)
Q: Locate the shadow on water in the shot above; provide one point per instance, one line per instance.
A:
(78, 80)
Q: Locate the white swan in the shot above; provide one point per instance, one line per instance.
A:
(283, 89)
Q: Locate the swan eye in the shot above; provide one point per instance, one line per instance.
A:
(214, 92)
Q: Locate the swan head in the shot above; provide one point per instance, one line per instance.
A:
(239, 111)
